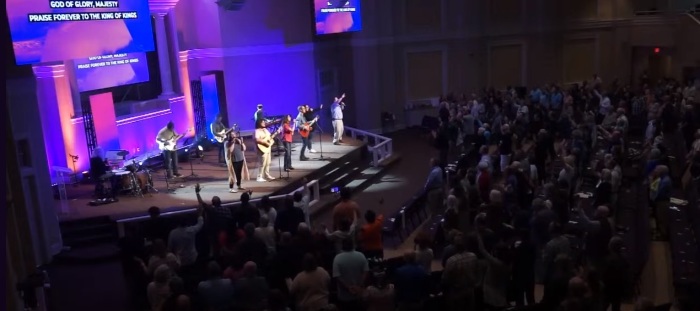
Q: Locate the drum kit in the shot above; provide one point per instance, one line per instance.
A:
(134, 179)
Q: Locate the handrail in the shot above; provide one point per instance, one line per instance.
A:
(693, 17)
(382, 148)
(314, 188)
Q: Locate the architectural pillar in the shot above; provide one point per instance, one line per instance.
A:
(55, 100)
(166, 77)
(174, 48)
(185, 84)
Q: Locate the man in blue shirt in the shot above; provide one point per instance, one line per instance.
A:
(660, 194)
(337, 116)
(434, 188)
(411, 284)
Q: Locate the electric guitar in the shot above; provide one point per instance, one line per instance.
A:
(171, 144)
(220, 137)
(270, 141)
(306, 128)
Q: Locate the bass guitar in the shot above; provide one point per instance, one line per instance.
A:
(220, 137)
(171, 144)
(270, 141)
(306, 128)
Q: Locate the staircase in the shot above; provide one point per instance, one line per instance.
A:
(355, 175)
(88, 240)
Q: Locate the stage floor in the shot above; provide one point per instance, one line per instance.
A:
(211, 176)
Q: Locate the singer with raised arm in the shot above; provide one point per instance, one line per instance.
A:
(220, 132)
(167, 141)
(264, 140)
(337, 108)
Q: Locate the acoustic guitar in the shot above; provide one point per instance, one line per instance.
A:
(270, 141)
(306, 128)
(171, 144)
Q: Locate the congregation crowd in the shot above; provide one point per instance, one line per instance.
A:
(513, 216)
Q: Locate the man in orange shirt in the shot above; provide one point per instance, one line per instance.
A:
(346, 209)
(371, 236)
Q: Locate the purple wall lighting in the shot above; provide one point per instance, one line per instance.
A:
(137, 133)
(210, 94)
(280, 81)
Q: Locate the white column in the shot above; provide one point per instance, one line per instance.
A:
(174, 45)
(166, 77)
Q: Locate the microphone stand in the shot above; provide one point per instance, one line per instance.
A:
(167, 183)
(189, 158)
(320, 141)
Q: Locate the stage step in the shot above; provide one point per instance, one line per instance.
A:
(362, 179)
(88, 254)
(342, 176)
(326, 182)
(88, 232)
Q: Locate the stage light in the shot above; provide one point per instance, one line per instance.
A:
(187, 150)
(140, 163)
(200, 148)
(657, 50)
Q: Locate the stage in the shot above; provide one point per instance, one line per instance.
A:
(213, 178)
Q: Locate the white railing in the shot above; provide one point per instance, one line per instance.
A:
(314, 189)
(692, 17)
(380, 146)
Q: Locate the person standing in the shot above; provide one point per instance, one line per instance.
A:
(350, 269)
(264, 140)
(337, 108)
(305, 141)
(218, 129)
(287, 133)
(310, 114)
(167, 138)
(235, 162)
(434, 188)
(259, 114)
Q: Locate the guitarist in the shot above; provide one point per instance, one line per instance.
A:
(305, 141)
(219, 130)
(310, 114)
(167, 136)
(264, 140)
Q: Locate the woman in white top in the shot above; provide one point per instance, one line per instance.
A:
(266, 233)
(266, 210)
